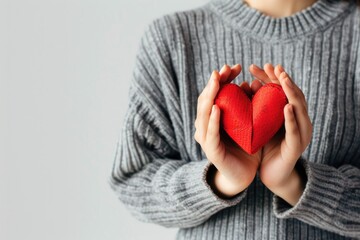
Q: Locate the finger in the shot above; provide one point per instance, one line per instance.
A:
(206, 88)
(269, 70)
(259, 73)
(281, 74)
(224, 73)
(205, 102)
(255, 86)
(213, 129)
(278, 70)
(215, 75)
(301, 114)
(292, 134)
(300, 94)
(301, 108)
(246, 88)
(292, 92)
(214, 85)
(235, 71)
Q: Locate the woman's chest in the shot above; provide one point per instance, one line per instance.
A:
(323, 68)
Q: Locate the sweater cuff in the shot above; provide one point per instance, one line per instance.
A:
(201, 197)
(321, 196)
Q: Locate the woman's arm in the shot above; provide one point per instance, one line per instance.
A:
(317, 194)
(331, 198)
(149, 176)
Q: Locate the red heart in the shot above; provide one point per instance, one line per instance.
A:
(251, 123)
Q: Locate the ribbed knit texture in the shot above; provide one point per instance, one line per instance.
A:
(160, 171)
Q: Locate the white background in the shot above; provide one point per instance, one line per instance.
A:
(64, 73)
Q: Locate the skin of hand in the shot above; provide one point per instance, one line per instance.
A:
(277, 169)
(235, 169)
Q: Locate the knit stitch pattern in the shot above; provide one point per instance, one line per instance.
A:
(160, 171)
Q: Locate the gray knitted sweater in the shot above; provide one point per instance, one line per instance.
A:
(160, 171)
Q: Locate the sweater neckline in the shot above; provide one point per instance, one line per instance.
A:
(245, 18)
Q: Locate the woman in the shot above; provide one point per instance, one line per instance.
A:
(173, 165)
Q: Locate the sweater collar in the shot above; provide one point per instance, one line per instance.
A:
(247, 19)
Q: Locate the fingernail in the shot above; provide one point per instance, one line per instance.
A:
(288, 82)
(213, 109)
(290, 108)
(268, 64)
(283, 75)
(234, 66)
(281, 68)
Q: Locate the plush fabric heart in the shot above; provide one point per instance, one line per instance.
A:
(251, 123)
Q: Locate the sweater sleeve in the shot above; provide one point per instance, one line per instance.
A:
(331, 199)
(149, 176)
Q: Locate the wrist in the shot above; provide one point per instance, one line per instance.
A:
(222, 186)
(292, 189)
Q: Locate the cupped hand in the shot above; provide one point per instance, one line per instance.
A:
(279, 156)
(235, 168)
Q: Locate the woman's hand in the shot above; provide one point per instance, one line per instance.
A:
(280, 155)
(235, 168)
